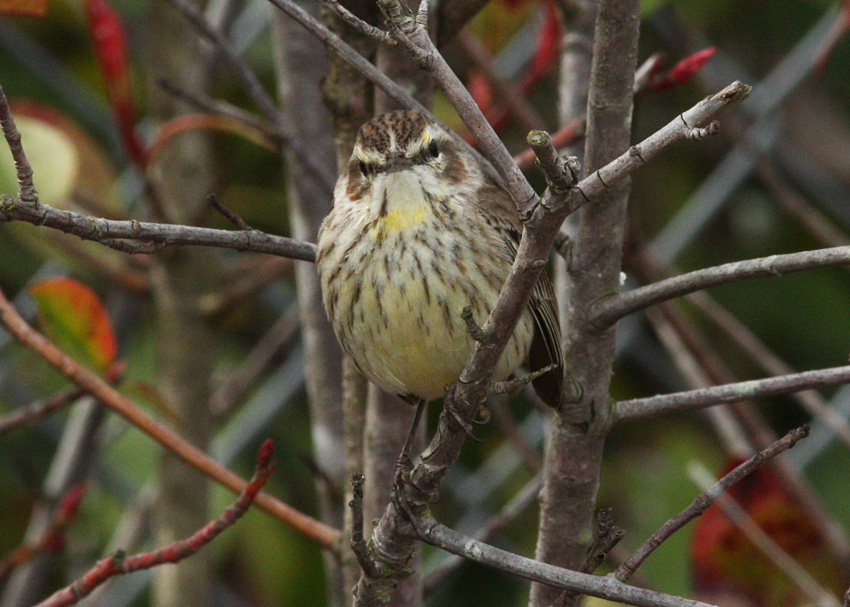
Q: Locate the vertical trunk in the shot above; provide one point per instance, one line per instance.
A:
(576, 440)
(182, 176)
(301, 66)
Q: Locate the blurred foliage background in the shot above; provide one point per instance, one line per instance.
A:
(48, 69)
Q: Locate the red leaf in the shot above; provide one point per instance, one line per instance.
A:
(110, 45)
(29, 8)
(73, 316)
(723, 558)
(684, 71)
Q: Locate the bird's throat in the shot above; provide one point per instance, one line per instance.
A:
(400, 205)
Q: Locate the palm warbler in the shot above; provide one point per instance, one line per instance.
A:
(417, 233)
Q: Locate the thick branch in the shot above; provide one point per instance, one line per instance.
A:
(611, 310)
(603, 587)
(654, 406)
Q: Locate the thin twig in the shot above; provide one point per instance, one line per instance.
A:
(223, 108)
(346, 53)
(50, 539)
(766, 544)
(39, 409)
(23, 169)
(706, 499)
(663, 404)
(175, 552)
(152, 236)
(91, 383)
(252, 84)
(370, 31)
(230, 215)
(608, 535)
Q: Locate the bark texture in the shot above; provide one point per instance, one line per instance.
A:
(577, 436)
(182, 176)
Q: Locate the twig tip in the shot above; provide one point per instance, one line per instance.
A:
(266, 452)
(536, 138)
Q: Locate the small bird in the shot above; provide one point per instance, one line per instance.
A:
(417, 233)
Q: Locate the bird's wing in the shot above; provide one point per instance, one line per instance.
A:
(546, 344)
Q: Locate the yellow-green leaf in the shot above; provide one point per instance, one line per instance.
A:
(74, 318)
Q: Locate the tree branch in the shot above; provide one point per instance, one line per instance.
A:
(151, 236)
(765, 544)
(609, 311)
(39, 409)
(654, 406)
(23, 170)
(116, 234)
(603, 587)
(51, 536)
(706, 499)
(394, 534)
(524, 497)
(345, 52)
(175, 552)
(91, 383)
(415, 39)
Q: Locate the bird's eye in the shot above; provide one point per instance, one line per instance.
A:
(365, 169)
(433, 150)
